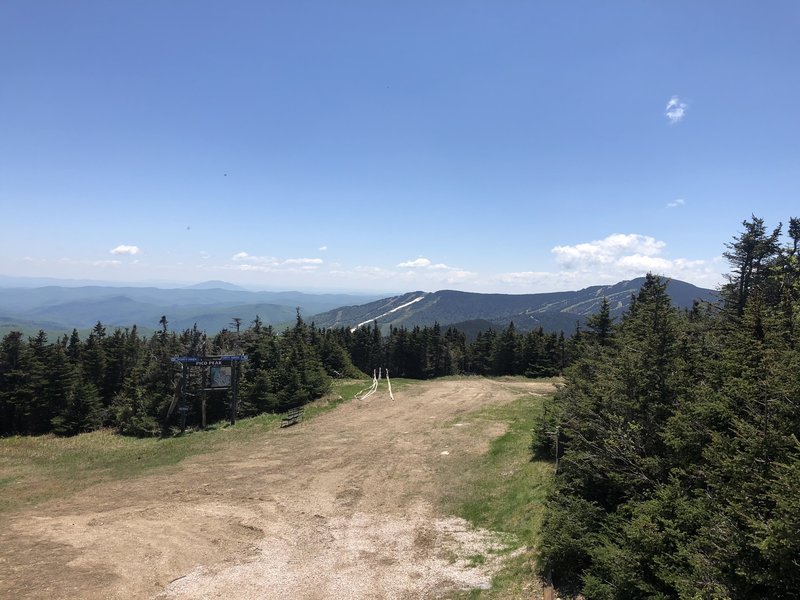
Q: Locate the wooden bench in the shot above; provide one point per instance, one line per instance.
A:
(292, 417)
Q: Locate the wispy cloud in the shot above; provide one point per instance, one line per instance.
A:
(323, 248)
(246, 256)
(420, 271)
(302, 261)
(370, 272)
(250, 262)
(425, 263)
(676, 110)
(415, 264)
(65, 260)
(125, 249)
(425, 269)
(676, 203)
(106, 263)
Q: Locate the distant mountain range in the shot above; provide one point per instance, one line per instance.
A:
(213, 305)
(554, 311)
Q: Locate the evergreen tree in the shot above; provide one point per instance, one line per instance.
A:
(83, 411)
(13, 379)
(600, 324)
(679, 473)
(504, 352)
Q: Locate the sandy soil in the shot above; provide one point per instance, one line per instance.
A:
(343, 506)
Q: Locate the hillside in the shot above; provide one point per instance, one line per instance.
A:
(554, 311)
(58, 309)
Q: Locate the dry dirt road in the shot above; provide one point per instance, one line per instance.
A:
(343, 507)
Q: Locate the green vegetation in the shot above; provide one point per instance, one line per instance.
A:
(124, 381)
(679, 447)
(504, 491)
(426, 352)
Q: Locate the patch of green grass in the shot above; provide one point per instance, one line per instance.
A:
(346, 389)
(35, 469)
(363, 385)
(476, 560)
(504, 491)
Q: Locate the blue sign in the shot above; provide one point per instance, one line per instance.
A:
(206, 361)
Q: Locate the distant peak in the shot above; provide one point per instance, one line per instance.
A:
(216, 285)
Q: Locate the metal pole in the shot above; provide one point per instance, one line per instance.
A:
(235, 399)
(183, 409)
(203, 399)
(558, 436)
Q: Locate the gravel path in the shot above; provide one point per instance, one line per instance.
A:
(342, 507)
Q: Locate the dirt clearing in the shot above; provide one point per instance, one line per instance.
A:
(343, 506)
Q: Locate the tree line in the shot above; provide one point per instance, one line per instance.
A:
(126, 381)
(677, 439)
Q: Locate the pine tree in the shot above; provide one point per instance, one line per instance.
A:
(612, 415)
(13, 380)
(600, 324)
(750, 255)
(505, 352)
(83, 411)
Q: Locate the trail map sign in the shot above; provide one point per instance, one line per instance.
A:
(219, 377)
(217, 373)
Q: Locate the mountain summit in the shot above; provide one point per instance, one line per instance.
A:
(216, 285)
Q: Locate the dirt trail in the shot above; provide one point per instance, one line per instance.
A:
(341, 507)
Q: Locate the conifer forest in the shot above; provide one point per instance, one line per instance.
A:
(122, 380)
(678, 472)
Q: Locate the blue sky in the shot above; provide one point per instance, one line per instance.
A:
(390, 146)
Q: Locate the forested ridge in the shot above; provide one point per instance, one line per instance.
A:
(126, 381)
(677, 434)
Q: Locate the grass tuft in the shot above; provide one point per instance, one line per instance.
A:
(504, 491)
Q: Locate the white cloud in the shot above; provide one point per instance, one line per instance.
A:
(265, 264)
(323, 248)
(302, 261)
(423, 268)
(525, 277)
(369, 272)
(642, 264)
(609, 260)
(204, 255)
(676, 110)
(420, 272)
(676, 203)
(606, 251)
(459, 275)
(416, 263)
(125, 249)
(244, 256)
(106, 263)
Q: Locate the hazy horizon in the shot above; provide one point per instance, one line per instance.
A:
(36, 282)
